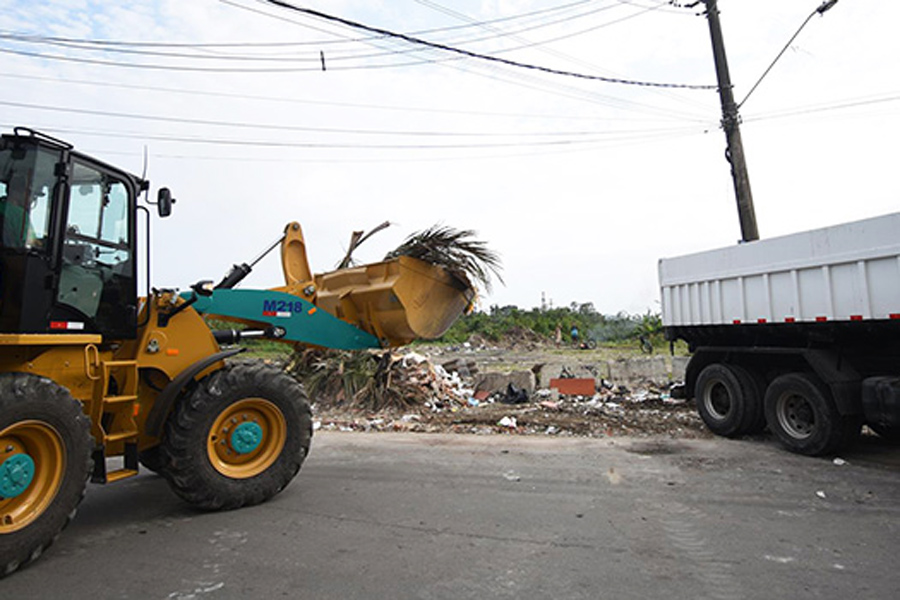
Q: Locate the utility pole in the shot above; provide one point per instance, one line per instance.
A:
(731, 124)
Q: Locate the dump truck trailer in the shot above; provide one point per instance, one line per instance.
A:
(800, 333)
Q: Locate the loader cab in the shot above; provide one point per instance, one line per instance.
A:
(67, 251)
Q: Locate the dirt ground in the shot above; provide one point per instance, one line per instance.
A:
(619, 408)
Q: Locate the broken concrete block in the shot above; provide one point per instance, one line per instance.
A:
(637, 369)
(499, 382)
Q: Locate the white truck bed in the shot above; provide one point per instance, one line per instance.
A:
(848, 272)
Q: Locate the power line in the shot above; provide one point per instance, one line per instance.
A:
(134, 48)
(515, 151)
(841, 105)
(539, 45)
(486, 57)
(821, 10)
(205, 140)
(110, 63)
(300, 101)
(283, 127)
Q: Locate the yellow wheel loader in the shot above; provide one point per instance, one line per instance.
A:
(96, 381)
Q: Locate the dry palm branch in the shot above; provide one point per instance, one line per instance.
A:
(454, 250)
(357, 238)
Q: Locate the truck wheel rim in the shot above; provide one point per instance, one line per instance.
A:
(32, 464)
(717, 400)
(246, 438)
(796, 416)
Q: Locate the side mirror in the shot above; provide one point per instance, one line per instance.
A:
(164, 202)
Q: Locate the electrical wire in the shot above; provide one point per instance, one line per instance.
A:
(485, 57)
(516, 151)
(540, 46)
(231, 124)
(325, 103)
(841, 105)
(131, 48)
(206, 140)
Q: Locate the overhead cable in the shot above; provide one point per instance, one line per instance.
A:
(284, 127)
(476, 55)
(328, 103)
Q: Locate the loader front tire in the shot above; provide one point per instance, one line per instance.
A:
(238, 439)
(45, 461)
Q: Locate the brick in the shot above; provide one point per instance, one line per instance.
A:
(575, 386)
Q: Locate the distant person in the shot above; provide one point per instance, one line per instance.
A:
(574, 334)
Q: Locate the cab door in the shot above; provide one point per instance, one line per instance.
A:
(97, 283)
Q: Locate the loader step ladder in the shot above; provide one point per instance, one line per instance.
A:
(113, 412)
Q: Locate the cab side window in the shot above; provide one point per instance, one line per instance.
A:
(26, 189)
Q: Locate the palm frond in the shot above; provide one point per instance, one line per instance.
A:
(454, 250)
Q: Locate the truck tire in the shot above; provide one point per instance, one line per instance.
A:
(45, 461)
(238, 439)
(720, 396)
(753, 391)
(802, 415)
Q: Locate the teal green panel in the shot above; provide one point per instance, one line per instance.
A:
(300, 319)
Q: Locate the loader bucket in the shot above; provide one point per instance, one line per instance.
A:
(398, 300)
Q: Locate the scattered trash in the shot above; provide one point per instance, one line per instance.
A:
(840, 462)
(613, 476)
(512, 476)
(640, 395)
(433, 390)
(821, 494)
(514, 395)
(507, 422)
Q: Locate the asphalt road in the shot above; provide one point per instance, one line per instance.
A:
(442, 516)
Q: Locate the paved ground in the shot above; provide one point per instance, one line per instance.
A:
(442, 516)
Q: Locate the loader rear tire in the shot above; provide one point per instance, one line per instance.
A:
(45, 461)
(238, 439)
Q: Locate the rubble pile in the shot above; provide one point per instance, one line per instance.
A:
(419, 395)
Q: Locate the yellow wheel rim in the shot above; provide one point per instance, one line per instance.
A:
(246, 438)
(43, 444)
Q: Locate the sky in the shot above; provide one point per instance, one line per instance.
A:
(579, 183)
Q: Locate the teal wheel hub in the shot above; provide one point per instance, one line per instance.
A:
(16, 474)
(246, 437)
